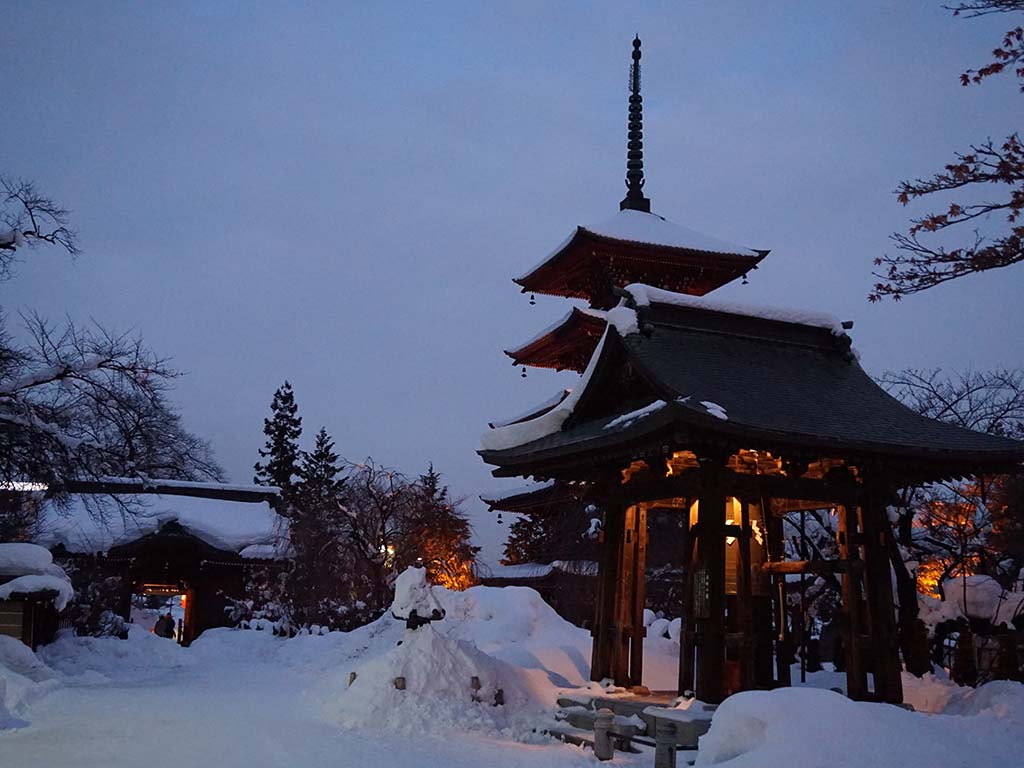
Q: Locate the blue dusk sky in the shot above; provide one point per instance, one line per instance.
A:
(339, 193)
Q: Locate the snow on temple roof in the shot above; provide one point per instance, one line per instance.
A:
(540, 570)
(652, 229)
(595, 313)
(533, 412)
(227, 525)
(645, 295)
(520, 490)
(648, 229)
(511, 435)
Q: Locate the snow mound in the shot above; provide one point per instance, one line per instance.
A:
(986, 599)
(805, 726)
(19, 559)
(435, 688)
(414, 593)
(23, 679)
(141, 655)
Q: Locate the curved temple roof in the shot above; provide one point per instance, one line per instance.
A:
(752, 375)
(565, 346)
(637, 247)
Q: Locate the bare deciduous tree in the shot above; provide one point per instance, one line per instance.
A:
(994, 167)
(81, 403)
(944, 529)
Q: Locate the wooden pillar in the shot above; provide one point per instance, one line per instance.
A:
(622, 610)
(744, 600)
(878, 591)
(776, 554)
(709, 586)
(688, 635)
(607, 579)
(852, 614)
(639, 596)
(618, 623)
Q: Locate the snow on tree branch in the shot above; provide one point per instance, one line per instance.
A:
(28, 217)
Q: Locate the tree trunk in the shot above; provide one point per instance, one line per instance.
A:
(916, 661)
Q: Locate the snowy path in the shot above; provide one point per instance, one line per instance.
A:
(227, 708)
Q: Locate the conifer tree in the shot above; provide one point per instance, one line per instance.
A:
(281, 451)
(439, 535)
(317, 585)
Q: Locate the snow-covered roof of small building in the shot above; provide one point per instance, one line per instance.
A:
(84, 527)
(27, 569)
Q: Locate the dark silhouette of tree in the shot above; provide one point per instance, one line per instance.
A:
(318, 588)
(950, 529)
(993, 167)
(281, 450)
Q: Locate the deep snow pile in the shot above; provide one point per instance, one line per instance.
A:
(432, 680)
(986, 599)
(811, 727)
(23, 678)
(141, 655)
(438, 675)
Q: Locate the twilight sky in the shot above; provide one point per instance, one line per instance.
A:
(339, 194)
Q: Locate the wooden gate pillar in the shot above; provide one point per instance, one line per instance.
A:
(618, 625)
(709, 586)
(852, 611)
(777, 553)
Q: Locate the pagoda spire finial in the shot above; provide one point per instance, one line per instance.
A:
(634, 199)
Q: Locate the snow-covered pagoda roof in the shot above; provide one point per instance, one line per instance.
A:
(637, 247)
(704, 371)
(530, 571)
(524, 499)
(89, 524)
(565, 346)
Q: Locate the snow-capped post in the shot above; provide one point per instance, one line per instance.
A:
(604, 746)
(664, 743)
(414, 601)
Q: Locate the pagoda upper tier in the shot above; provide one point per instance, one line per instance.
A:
(635, 246)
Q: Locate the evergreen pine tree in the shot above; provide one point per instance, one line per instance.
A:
(439, 535)
(320, 472)
(317, 586)
(281, 451)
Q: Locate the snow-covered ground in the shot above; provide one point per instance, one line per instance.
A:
(246, 698)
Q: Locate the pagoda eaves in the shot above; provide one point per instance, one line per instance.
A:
(566, 346)
(638, 247)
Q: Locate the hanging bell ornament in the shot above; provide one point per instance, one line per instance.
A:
(523, 374)
(533, 299)
(500, 520)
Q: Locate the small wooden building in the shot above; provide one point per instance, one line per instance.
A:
(33, 591)
(194, 540)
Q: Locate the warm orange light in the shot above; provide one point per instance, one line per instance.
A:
(183, 598)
